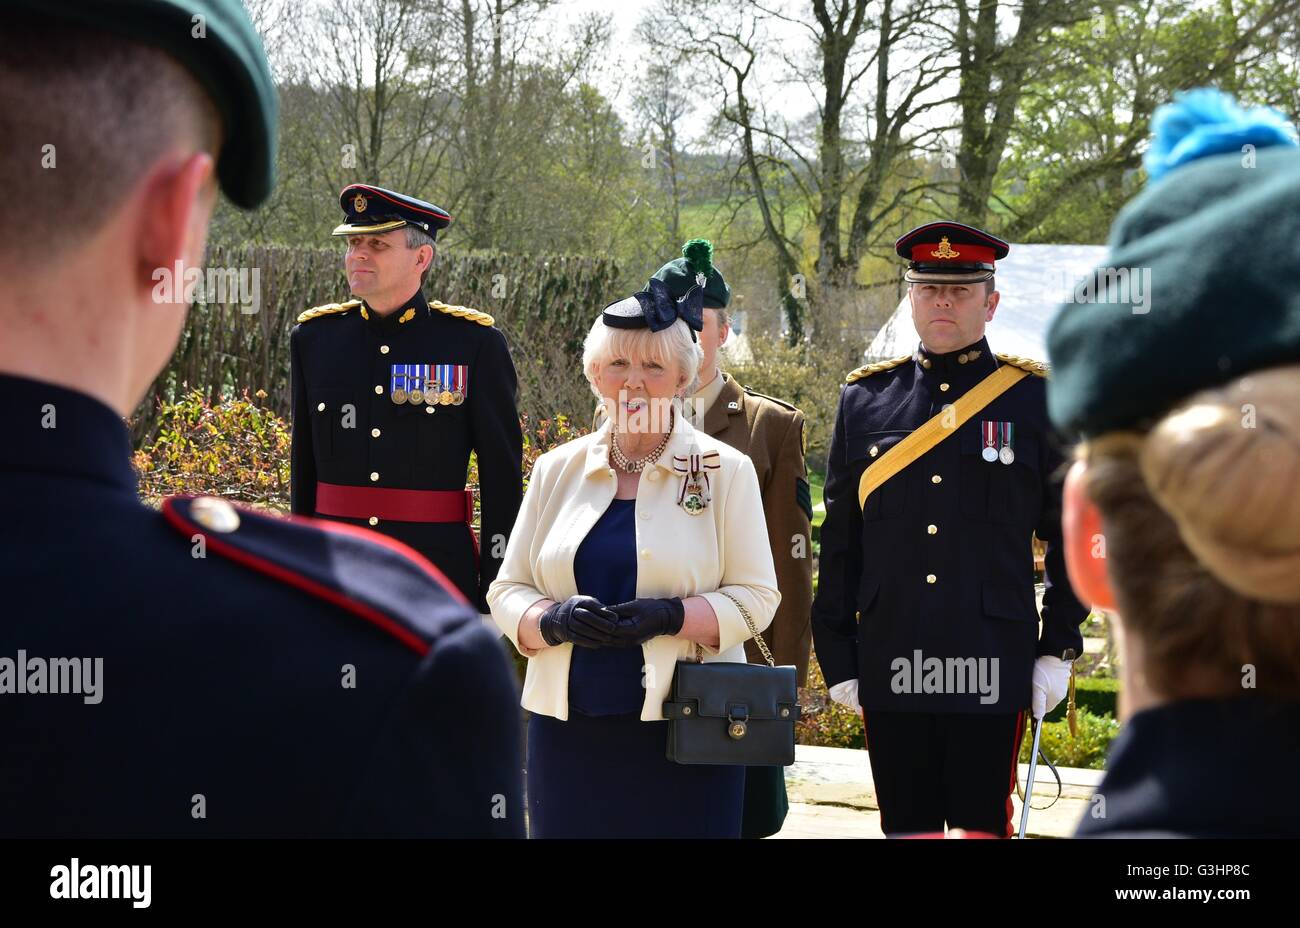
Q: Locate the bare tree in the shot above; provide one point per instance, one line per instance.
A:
(661, 106)
(849, 161)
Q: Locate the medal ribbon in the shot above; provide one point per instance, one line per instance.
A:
(694, 467)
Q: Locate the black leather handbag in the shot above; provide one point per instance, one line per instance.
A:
(726, 712)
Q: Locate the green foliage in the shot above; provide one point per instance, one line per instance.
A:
(1097, 695)
(808, 376)
(1074, 154)
(1088, 750)
(232, 448)
(825, 723)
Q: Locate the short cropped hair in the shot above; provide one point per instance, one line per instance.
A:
(83, 115)
(670, 346)
(415, 237)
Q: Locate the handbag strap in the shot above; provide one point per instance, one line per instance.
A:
(758, 639)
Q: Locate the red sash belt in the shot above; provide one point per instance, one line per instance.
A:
(386, 503)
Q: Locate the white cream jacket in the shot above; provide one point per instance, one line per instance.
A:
(724, 549)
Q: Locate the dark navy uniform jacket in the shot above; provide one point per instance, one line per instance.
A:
(1193, 769)
(941, 559)
(222, 688)
(344, 360)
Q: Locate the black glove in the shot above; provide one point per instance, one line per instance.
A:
(582, 620)
(643, 619)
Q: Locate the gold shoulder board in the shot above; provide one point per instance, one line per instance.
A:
(463, 312)
(1037, 368)
(328, 309)
(868, 369)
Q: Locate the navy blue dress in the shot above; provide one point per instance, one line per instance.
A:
(604, 773)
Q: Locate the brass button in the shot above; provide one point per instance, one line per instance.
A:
(374, 520)
(320, 407)
(943, 387)
(383, 349)
(379, 389)
(785, 713)
(962, 358)
(873, 451)
(645, 554)
(374, 475)
(215, 514)
(932, 529)
(374, 433)
(686, 710)
(926, 364)
(936, 479)
(429, 410)
(930, 578)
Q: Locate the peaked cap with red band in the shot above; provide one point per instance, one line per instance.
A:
(374, 210)
(950, 253)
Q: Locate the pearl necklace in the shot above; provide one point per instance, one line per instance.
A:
(635, 467)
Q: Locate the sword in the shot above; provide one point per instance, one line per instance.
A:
(1029, 782)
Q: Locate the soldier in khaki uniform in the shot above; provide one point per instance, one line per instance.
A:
(770, 431)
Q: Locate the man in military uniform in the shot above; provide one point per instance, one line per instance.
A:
(941, 470)
(770, 431)
(208, 671)
(391, 393)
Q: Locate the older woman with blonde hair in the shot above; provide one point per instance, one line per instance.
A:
(1182, 510)
(636, 546)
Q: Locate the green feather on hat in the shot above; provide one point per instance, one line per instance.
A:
(681, 274)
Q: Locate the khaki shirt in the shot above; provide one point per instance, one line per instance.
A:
(770, 432)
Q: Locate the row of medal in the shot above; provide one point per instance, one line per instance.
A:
(434, 384)
(998, 437)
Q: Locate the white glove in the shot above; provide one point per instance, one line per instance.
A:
(1051, 683)
(846, 694)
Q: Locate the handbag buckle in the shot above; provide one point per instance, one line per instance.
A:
(736, 718)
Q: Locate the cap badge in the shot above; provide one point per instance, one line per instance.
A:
(945, 250)
(359, 204)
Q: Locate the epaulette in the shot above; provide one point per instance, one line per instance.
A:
(1037, 368)
(463, 312)
(868, 369)
(763, 396)
(392, 589)
(328, 309)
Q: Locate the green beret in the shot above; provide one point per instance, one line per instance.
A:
(227, 60)
(679, 274)
(1200, 285)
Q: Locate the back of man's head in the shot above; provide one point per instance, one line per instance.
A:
(85, 115)
(112, 134)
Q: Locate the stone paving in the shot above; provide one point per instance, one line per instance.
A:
(832, 796)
